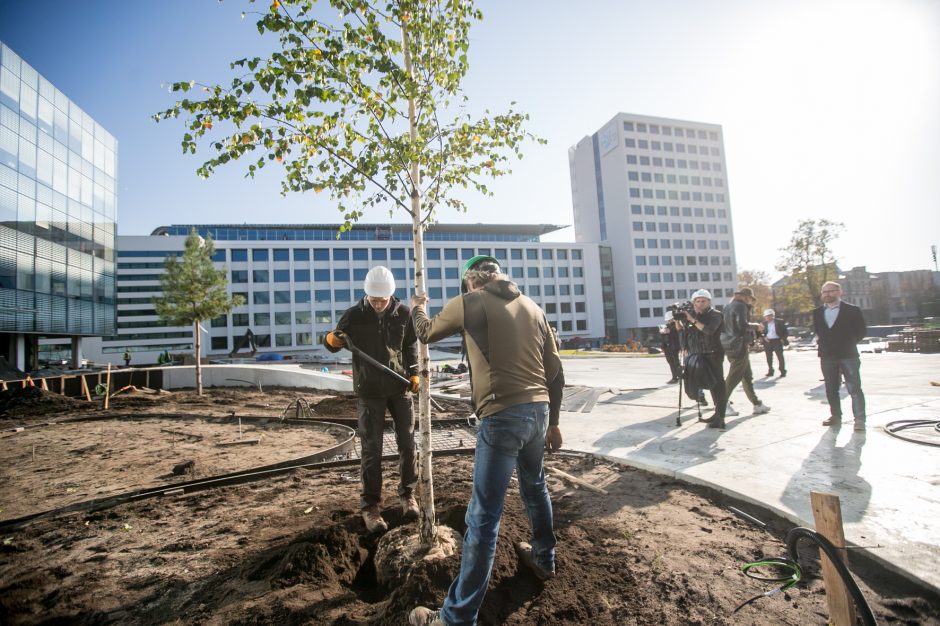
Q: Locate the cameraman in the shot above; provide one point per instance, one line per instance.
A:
(705, 356)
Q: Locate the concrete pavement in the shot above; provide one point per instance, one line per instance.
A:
(889, 488)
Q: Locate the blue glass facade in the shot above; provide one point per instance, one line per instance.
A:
(58, 210)
(359, 232)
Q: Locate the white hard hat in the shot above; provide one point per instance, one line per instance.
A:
(379, 282)
(702, 293)
(668, 316)
(769, 312)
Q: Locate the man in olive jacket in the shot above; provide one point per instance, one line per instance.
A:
(516, 385)
(380, 326)
(736, 341)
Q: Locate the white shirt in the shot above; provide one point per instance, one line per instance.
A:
(831, 312)
(771, 332)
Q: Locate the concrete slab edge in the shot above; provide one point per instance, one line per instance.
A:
(861, 552)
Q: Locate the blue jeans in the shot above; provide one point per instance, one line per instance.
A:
(512, 438)
(834, 369)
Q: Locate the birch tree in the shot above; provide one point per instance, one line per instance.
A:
(194, 291)
(361, 100)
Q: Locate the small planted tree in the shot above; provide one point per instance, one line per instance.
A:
(193, 291)
(362, 99)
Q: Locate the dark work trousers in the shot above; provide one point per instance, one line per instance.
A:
(371, 429)
(772, 347)
(833, 370)
(719, 397)
(739, 371)
(672, 357)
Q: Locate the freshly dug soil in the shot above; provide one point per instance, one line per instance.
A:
(293, 550)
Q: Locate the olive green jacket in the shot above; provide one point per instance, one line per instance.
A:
(511, 348)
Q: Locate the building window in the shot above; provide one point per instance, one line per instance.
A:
(282, 276)
(282, 339)
(360, 254)
(302, 296)
(301, 276)
(262, 319)
(259, 255)
(239, 276)
(301, 254)
(281, 297)
(281, 254)
(261, 297)
(345, 295)
(239, 319)
(321, 254)
(239, 255)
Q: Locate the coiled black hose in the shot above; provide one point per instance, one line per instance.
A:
(792, 563)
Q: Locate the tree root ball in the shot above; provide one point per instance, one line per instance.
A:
(400, 549)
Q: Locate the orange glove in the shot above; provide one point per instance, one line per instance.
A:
(334, 341)
(415, 382)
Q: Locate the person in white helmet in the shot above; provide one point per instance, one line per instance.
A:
(704, 354)
(380, 325)
(775, 337)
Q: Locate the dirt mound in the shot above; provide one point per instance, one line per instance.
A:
(34, 401)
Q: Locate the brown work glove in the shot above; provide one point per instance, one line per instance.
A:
(334, 340)
(415, 383)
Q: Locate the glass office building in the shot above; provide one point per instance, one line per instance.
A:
(58, 211)
(297, 280)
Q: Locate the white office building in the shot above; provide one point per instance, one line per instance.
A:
(297, 280)
(652, 193)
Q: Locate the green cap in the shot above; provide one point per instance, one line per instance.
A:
(472, 262)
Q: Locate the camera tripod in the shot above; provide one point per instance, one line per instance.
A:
(698, 404)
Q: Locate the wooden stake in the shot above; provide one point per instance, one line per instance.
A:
(107, 385)
(827, 513)
(5, 386)
(147, 378)
(62, 385)
(43, 384)
(85, 389)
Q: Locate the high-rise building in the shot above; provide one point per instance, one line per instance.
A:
(58, 210)
(652, 192)
(296, 281)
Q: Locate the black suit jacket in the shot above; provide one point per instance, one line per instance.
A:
(782, 331)
(840, 340)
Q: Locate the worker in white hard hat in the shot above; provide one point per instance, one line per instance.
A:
(775, 337)
(704, 361)
(380, 326)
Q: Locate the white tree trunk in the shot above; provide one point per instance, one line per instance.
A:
(426, 519)
(198, 358)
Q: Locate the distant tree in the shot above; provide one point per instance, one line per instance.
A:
(809, 259)
(193, 291)
(759, 282)
(363, 99)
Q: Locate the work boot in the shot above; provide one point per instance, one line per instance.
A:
(423, 616)
(409, 507)
(833, 421)
(524, 551)
(769, 373)
(760, 408)
(783, 374)
(373, 519)
(860, 425)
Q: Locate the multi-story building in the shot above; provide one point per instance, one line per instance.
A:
(58, 207)
(297, 280)
(652, 193)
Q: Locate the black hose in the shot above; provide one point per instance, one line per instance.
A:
(792, 563)
(793, 538)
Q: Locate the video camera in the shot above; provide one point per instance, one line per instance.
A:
(677, 308)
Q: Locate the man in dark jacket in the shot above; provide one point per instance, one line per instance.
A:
(736, 341)
(839, 327)
(775, 338)
(516, 385)
(669, 338)
(701, 341)
(380, 326)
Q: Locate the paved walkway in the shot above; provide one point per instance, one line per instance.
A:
(889, 489)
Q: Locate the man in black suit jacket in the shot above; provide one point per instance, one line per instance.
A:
(839, 327)
(775, 337)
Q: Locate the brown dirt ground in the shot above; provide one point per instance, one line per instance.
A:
(292, 549)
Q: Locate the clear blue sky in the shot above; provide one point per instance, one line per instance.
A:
(830, 108)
